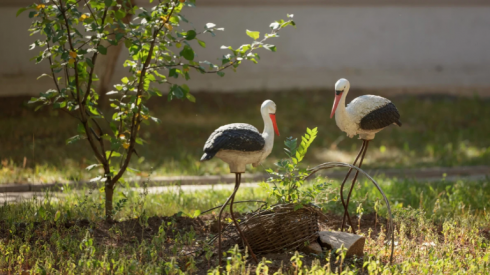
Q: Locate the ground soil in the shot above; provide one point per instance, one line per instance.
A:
(205, 227)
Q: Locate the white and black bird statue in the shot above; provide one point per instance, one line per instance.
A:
(364, 116)
(239, 144)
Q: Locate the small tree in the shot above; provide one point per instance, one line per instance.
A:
(76, 32)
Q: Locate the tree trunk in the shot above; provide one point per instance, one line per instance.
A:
(108, 64)
(109, 194)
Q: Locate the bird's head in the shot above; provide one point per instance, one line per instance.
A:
(342, 85)
(269, 108)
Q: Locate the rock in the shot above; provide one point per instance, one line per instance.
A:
(314, 248)
(334, 239)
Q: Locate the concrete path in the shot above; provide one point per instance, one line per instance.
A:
(436, 172)
(423, 176)
(20, 196)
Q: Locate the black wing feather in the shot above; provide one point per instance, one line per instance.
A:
(237, 136)
(381, 118)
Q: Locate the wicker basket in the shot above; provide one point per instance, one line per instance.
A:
(281, 228)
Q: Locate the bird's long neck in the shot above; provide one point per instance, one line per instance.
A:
(341, 115)
(268, 133)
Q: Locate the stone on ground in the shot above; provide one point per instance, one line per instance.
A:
(352, 242)
(314, 248)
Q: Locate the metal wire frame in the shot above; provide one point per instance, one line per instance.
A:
(328, 165)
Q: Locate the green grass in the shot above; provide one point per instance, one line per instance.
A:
(437, 131)
(442, 228)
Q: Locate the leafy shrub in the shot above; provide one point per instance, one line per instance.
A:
(285, 184)
(74, 33)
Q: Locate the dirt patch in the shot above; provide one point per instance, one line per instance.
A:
(173, 232)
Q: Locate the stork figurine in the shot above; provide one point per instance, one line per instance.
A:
(239, 144)
(364, 116)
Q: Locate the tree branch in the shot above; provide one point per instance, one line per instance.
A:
(136, 120)
(252, 48)
(98, 155)
(94, 59)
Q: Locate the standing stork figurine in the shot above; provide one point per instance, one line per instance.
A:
(364, 116)
(239, 144)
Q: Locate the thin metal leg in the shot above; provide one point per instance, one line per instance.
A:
(238, 180)
(343, 183)
(346, 213)
(219, 223)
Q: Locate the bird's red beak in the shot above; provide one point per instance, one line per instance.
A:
(335, 104)
(273, 118)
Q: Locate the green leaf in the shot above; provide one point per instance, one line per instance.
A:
(32, 13)
(89, 62)
(42, 212)
(128, 43)
(185, 88)
(275, 25)
(114, 154)
(173, 73)
(59, 105)
(221, 73)
(155, 119)
(133, 170)
(269, 47)
(74, 139)
(115, 143)
(177, 91)
(187, 53)
(101, 49)
(80, 128)
(21, 10)
(244, 48)
(191, 98)
(120, 14)
(155, 92)
(119, 35)
(34, 100)
(107, 3)
(190, 35)
(57, 215)
(201, 43)
(90, 167)
(254, 35)
(139, 141)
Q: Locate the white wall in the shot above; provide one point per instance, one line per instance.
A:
(381, 47)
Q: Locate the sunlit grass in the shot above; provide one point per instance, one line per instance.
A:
(442, 228)
(439, 199)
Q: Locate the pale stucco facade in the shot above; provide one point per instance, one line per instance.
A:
(437, 46)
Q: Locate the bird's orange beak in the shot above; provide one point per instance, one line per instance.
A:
(335, 103)
(273, 118)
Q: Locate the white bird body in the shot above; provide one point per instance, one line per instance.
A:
(240, 144)
(365, 115)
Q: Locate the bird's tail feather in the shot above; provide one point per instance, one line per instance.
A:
(399, 123)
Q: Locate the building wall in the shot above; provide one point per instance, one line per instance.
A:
(437, 46)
